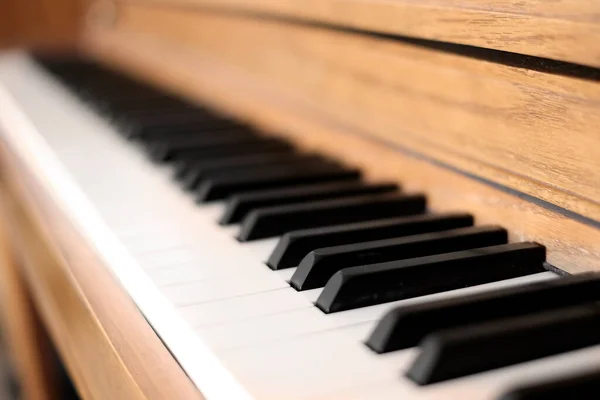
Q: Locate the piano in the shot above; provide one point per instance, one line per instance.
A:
(336, 200)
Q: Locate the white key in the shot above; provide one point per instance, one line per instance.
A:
(244, 307)
(312, 295)
(222, 288)
(262, 249)
(307, 366)
(286, 274)
(265, 329)
(195, 272)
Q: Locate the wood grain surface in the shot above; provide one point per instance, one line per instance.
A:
(42, 24)
(106, 344)
(558, 29)
(573, 246)
(534, 132)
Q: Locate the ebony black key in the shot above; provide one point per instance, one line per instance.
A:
(293, 246)
(175, 141)
(368, 285)
(124, 106)
(198, 173)
(158, 118)
(246, 146)
(584, 386)
(119, 105)
(196, 136)
(214, 153)
(404, 327)
(240, 205)
(185, 169)
(319, 265)
(165, 119)
(165, 150)
(274, 221)
(153, 113)
(211, 127)
(225, 186)
(482, 347)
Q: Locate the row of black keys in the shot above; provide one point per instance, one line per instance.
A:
(364, 243)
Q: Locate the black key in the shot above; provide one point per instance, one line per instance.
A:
(227, 147)
(274, 221)
(165, 150)
(225, 186)
(164, 119)
(482, 347)
(397, 280)
(122, 105)
(578, 387)
(197, 138)
(319, 265)
(152, 113)
(213, 127)
(404, 327)
(214, 153)
(293, 246)
(240, 205)
(187, 171)
(188, 131)
(197, 174)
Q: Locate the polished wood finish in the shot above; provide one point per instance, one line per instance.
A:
(530, 131)
(179, 65)
(107, 346)
(29, 347)
(45, 24)
(559, 29)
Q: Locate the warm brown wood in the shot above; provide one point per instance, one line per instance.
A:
(530, 131)
(559, 29)
(108, 347)
(45, 24)
(572, 245)
(29, 347)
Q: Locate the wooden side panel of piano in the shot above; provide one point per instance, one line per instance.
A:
(108, 347)
(512, 139)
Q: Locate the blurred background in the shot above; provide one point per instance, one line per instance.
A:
(44, 24)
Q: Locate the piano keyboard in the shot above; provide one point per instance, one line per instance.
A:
(271, 273)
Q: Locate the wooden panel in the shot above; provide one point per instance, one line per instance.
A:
(108, 347)
(559, 29)
(30, 349)
(53, 24)
(530, 131)
(573, 246)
